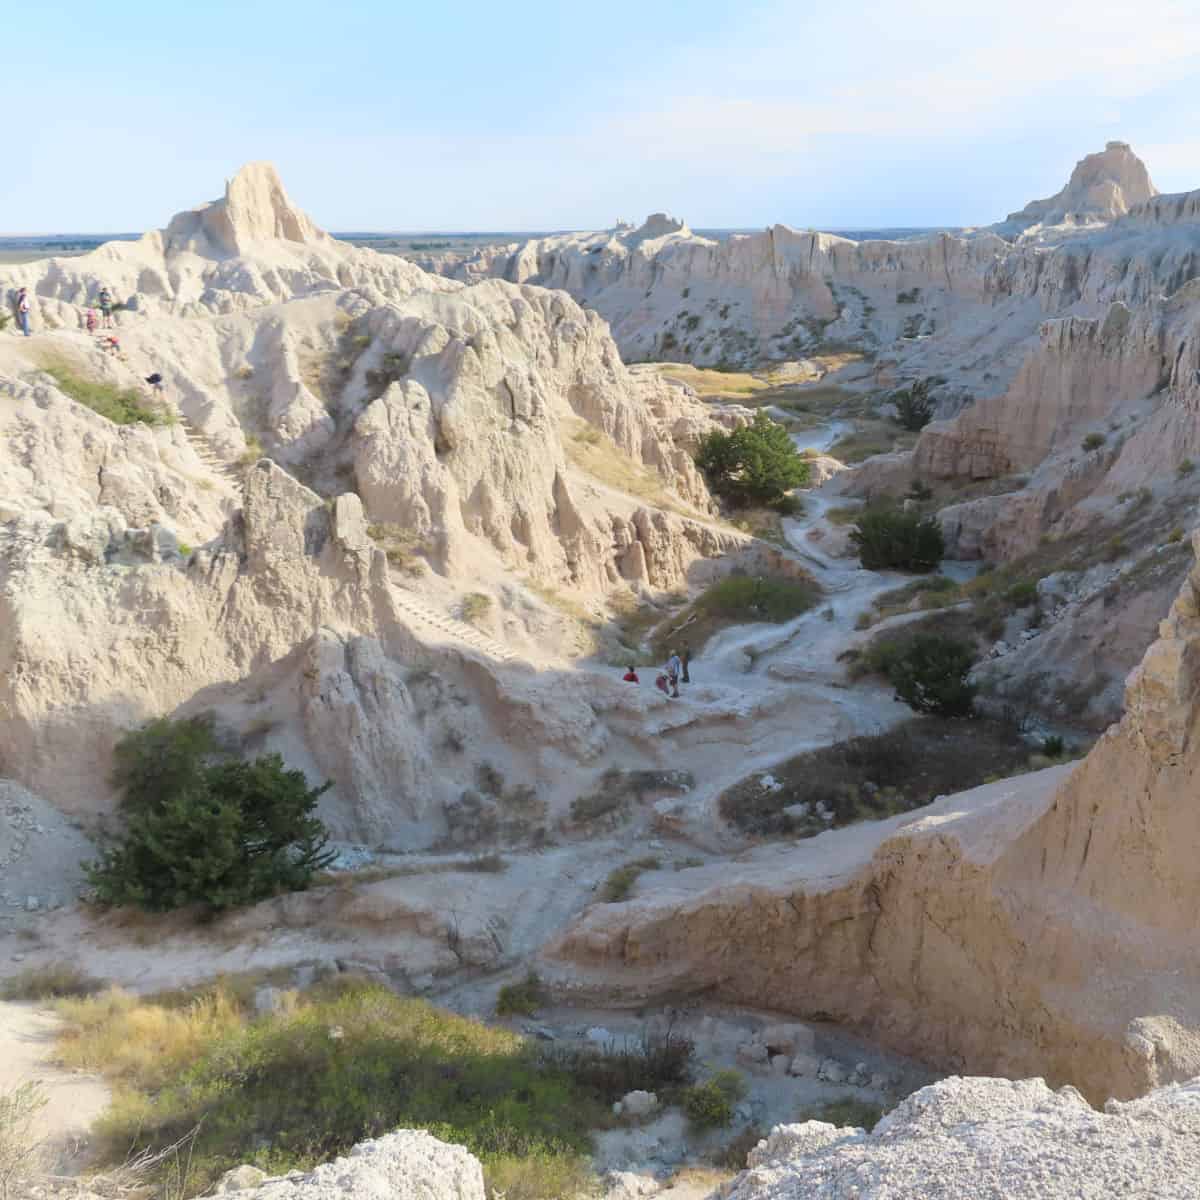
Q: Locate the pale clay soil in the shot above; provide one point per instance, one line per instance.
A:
(760, 693)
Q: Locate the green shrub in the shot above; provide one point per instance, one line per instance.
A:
(930, 676)
(252, 453)
(1053, 746)
(1176, 534)
(757, 464)
(204, 828)
(1022, 594)
(619, 884)
(1185, 468)
(475, 607)
(1093, 441)
(520, 998)
(50, 982)
(914, 409)
(711, 1103)
(758, 598)
(891, 537)
(122, 406)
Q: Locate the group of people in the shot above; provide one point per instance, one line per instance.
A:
(671, 676)
(24, 306)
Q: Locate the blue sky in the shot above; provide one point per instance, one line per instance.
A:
(565, 115)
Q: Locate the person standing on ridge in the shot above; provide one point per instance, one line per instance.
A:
(105, 299)
(686, 659)
(23, 310)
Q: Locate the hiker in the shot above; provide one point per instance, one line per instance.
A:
(105, 299)
(112, 344)
(686, 659)
(90, 320)
(23, 310)
(674, 668)
(630, 676)
(661, 683)
(156, 383)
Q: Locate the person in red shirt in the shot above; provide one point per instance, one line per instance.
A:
(630, 676)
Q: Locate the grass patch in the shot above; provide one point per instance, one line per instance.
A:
(711, 383)
(848, 1111)
(875, 776)
(122, 406)
(252, 453)
(475, 606)
(618, 791)
(595, 453)
(766, 524)
(931, 592)
(735, 600)
(53, 981)
(872, 437)
(403, 547)
(346, 1061)
(520, 999)
(620, 883)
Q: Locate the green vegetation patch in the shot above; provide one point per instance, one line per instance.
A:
(737, 599)
(620, 883)
(876, 776)
(346, 1061)
(122, 406)
(757, 464)
(896, 537)
(201, 827)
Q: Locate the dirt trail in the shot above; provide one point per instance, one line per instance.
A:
(74, 1100)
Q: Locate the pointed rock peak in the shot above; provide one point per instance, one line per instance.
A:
(1102, 187)
(256, 208)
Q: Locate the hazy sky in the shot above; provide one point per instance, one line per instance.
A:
(485, 115)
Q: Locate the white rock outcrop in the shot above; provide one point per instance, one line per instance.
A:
(989, 1139)
(409, 1164)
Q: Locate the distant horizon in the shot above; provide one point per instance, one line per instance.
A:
(129, 234)
(853, 116)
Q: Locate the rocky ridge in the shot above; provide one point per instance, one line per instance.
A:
(451, 437)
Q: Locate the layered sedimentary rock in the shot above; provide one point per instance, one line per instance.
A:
(1102, 187)
(1039, 925)
(480, 436)
(964, 305)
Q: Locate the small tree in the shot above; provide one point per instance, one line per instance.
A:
(914, 409)
(757, 464)
(930, 675)
(893, 537)
(204, 828)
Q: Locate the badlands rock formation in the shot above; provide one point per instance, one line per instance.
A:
(1036, 925)
(966, 306)
(1102, 187)
(454, 438)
